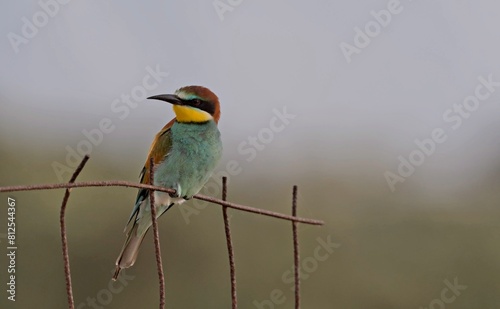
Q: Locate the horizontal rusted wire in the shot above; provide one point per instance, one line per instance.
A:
(121, 183)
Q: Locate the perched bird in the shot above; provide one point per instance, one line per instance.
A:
(185, 153)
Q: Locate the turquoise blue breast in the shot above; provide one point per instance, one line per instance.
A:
(194, 155)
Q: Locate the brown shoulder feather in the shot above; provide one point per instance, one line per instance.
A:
(158, 150)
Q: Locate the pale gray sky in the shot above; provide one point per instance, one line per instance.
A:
(262, 56)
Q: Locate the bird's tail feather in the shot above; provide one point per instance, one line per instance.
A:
(130, 249)
(138, 228)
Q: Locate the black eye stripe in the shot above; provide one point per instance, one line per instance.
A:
(203, 105)
(195, 102)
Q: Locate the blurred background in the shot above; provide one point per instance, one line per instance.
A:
(334, 96)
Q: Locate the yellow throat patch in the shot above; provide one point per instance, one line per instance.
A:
(190, 114)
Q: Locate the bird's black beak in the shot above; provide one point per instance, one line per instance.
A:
(170, 98)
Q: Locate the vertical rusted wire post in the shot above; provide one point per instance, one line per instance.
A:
(296, 257)
(64, 239)
(234, 300)
(156, 236)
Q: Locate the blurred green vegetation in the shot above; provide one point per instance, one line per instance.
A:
(396, 249)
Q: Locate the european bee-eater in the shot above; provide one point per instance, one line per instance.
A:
(185, 153)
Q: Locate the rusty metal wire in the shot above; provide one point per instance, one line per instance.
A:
(234, 299)
(156, 237)
(296, 256)
(225, 205)
(120, 183)
(64, 239)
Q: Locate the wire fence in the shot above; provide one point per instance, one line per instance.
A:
(161, 277)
